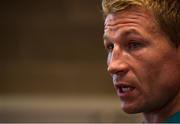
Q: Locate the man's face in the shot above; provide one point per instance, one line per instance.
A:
(144, 66)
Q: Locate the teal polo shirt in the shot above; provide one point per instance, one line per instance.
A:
(173, 119)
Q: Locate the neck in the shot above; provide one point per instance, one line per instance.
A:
(162, 114)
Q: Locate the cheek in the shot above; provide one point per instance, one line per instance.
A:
(155, 86)
(170, 77)
(148, 76)
(150, 64)
(158, 74)
(147, 70)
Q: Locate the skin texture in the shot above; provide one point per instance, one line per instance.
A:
(142, 56)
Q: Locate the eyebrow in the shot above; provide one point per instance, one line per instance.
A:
(124, 33)
(130, 31)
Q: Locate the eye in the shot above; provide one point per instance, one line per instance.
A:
(134, 45)
(110, 47)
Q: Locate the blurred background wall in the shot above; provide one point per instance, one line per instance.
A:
(53, 64)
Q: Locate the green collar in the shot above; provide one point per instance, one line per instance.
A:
(173, 119)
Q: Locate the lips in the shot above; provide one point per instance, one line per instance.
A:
(124, 90)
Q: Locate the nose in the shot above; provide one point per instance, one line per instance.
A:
(117, 62)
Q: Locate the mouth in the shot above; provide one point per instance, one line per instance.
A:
(124, 90)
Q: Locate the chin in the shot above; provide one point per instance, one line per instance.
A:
(131, 109)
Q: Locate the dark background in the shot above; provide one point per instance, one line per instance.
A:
(52, 47)
(53, 63)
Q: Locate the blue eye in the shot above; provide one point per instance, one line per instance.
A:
(134, 45)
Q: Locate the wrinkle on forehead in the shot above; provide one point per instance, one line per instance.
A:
(115, 18)
(134, 11)
(130, 17)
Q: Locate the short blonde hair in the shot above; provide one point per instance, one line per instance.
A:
(166, 13)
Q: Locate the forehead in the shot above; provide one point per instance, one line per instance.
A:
(134, 17)
(132, 13)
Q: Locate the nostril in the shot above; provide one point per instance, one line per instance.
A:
(119, 75)
(112, 69)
